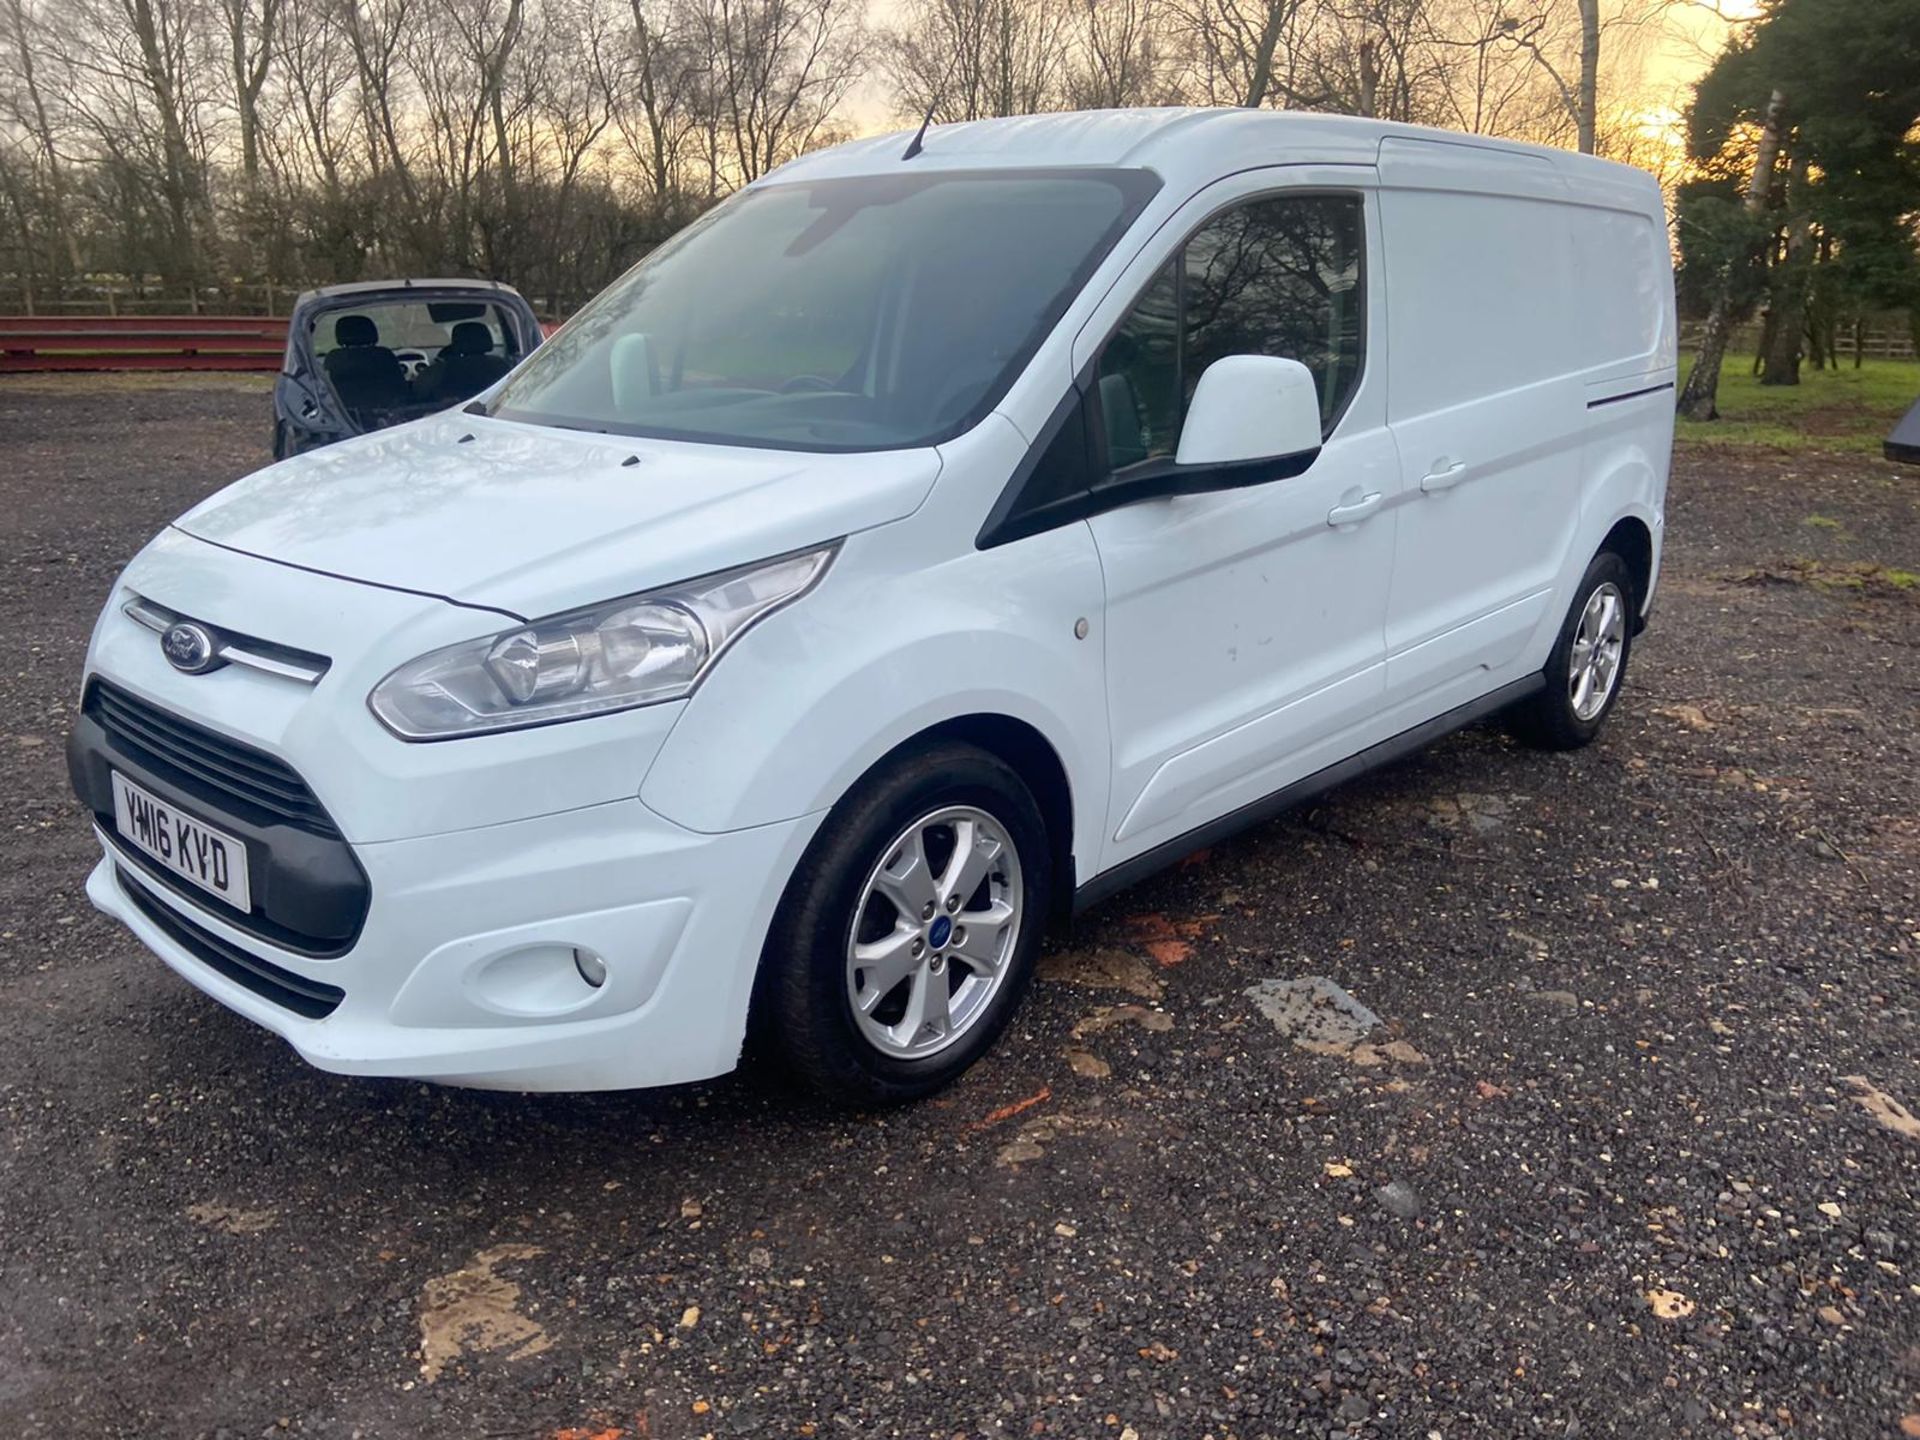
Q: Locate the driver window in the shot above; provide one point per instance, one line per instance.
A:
(1279, 276)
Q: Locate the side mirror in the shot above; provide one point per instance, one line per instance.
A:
(1250, 408)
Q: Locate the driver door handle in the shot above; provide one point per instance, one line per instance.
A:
(1356, 512)
(1444, 479)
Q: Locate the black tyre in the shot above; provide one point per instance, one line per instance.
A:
(1588, 663)
(279, 439)
(908, 933)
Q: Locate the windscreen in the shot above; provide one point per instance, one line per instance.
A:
(865, 313)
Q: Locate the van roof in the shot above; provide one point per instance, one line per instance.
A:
(1179, 142)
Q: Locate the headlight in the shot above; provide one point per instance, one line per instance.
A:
(638, 650)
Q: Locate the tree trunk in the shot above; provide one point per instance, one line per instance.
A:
(1369, 79)
(1703, 381)
(181, 180)
(1261, 79)
(1585, 120)
(1790, 288)
(42, 131)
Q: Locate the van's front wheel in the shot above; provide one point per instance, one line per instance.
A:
(1589, 660)
(908, 934)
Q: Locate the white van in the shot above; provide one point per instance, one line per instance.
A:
(915, 550)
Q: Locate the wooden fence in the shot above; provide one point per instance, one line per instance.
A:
(1890, 343)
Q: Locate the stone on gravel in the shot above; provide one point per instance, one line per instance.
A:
(1565, 999)
(1670, 1304)
(1088, 1065)
(1883, 1107)
(1399, 1198)
(1688, 717)
(1315, 1013)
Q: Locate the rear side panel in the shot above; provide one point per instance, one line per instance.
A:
(1532, 345)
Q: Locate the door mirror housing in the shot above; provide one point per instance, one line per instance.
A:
(1249, 411)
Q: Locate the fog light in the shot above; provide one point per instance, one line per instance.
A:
(592, 968)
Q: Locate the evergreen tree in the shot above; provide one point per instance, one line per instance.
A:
(1831, 226)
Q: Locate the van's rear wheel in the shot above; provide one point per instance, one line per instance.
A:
(908, 933)
(1588, 662)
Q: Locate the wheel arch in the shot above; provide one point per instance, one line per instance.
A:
(1632, 540)
(1031, 756)
(1018, 744)
(1024, 749)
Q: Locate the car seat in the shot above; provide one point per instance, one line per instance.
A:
(365, 374)
(467, 365)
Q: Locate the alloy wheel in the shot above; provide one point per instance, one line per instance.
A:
(1593, 666)
(934, 936)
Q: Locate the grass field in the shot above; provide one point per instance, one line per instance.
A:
(1844, 409)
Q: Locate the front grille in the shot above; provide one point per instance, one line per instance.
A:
(253, 779)
(292, 992)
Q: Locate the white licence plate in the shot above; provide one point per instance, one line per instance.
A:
(190, 848)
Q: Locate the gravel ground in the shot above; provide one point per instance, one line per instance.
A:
(1602, 1170)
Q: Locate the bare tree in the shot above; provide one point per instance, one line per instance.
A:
(251, 38)
(141, 90)
(318, 99)
(376, 32)
(1379, 58)
(1122, 55)
(1244, 52)
(969, 59)
(664, 96)
(29, 108)
(782, 68)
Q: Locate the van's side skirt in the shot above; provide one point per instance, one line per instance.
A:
(1109, 882)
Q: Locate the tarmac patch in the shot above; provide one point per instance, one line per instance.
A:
(472, 1309)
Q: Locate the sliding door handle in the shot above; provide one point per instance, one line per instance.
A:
(1358, 510)
(1444, 479)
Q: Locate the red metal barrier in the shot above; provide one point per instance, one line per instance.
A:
(141, 342)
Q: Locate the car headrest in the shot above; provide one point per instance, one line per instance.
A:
(355, 330)
(470, 337)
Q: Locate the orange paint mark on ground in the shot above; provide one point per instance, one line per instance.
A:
(1169, 952)
(600, 1428)
(1007, 1112)
(1167, 941)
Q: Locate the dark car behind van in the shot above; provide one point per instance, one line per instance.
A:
(364, 356)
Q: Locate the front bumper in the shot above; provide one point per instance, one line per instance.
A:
(416, 907)
(463, 971)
